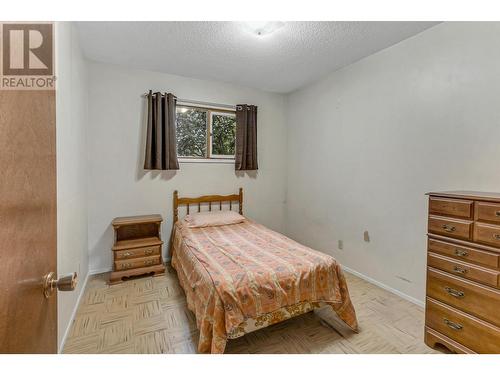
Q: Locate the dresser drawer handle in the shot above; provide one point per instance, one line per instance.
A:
(148, 262)
(126, 255)
(453, 325)
(459, 270)
(125, 266)
(461, 253)
(496, 236)
(454, 292)
(148, 251)
(497, 213)
(449, 228)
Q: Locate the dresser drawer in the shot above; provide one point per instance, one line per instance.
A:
(487, 233)
(462, 269)
(137, 253)
(432, 338)
(121, 265)
(485, 211)
(484, 258)
(450, 227)
(450, 207)
(478, 335)
(473, 298)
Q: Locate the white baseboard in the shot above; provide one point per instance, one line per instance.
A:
(383, 286)
(73, 313)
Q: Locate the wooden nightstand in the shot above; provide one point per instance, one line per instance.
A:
(138, 247)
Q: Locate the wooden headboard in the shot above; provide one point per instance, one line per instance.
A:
(210, 199)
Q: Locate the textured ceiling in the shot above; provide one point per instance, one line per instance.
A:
(295, 55)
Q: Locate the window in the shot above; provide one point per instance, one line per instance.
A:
(205, 133)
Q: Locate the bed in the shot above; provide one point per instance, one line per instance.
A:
(242, 277)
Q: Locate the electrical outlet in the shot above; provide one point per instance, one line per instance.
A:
(341, 245)
(366, 236)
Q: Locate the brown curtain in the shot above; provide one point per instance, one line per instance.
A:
(161, 144)
(246, 137)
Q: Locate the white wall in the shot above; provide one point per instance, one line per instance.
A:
(366, 143)
(71, 119)
(118, 185)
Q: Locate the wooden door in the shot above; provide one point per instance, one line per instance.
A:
(28, 320)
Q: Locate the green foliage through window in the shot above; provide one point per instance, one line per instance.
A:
(223, 134)
(191, 132)
(198, 127)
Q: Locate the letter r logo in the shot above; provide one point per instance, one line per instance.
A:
(27, 49)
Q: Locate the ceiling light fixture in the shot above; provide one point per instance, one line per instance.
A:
(264, 27)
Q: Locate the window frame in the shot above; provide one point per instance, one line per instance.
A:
(210, 111)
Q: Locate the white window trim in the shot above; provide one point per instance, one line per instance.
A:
(205, 160)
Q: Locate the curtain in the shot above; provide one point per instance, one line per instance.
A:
(161, 144)
(246, 137)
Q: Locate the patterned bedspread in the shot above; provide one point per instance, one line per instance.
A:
(240, 273)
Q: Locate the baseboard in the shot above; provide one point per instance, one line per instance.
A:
(383, 286)
(73, 313)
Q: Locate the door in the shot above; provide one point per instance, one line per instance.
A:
(28, 320)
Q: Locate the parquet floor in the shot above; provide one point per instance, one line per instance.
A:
(150, 315)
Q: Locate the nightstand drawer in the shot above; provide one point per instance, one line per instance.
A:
(462, 269)
(121, 265)
(137, 253)
(478, 335)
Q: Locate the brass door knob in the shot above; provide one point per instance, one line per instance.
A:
(66, 283)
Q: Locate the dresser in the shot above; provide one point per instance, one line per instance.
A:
(137, 248)
(462, 310)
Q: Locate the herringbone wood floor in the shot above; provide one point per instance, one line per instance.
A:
(150, 315)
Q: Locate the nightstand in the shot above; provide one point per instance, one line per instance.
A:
(138, 247)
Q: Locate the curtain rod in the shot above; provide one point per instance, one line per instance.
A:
(196, 102)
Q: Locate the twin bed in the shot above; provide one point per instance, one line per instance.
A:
(240, 276)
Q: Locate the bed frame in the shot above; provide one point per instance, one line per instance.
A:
(210, 199)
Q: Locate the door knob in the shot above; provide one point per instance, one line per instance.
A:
(66, 283)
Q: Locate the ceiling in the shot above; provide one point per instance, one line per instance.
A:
(291, 57)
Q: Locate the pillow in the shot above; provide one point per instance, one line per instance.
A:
(213, 219)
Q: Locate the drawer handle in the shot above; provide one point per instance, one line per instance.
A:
(149, 262)
(126, 255)
(496, 236)
(497, 213)
(453, 325)
(454, 292)
(125, 266)
(449, 228)
(461, 253)
(148, 251)
(458, 269)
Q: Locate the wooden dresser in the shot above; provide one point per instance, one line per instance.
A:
(138, 247)
(463, 272)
